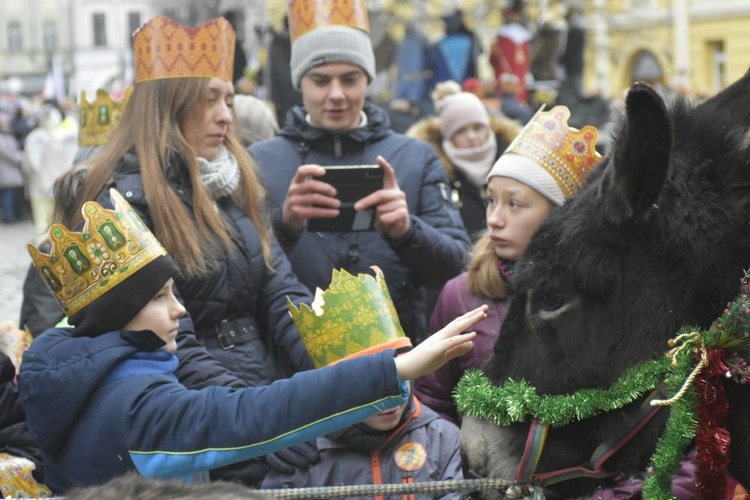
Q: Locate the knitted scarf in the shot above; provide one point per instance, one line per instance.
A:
(220, 176)
(475, 162)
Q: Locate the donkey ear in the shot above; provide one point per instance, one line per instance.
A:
(733, 101)
(636, 172)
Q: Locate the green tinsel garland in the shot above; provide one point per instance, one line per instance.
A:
(517, 401)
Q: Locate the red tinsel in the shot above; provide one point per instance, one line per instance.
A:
(712, 437)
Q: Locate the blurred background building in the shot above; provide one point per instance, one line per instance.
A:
(60, 47)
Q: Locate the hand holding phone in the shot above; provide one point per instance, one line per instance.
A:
(352, 183)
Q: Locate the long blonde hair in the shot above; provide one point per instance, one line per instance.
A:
(151, 127)
(483, 277)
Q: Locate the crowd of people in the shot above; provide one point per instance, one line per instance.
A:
(175, 262)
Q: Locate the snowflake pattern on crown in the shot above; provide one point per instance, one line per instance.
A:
(164, 48)
(566, 153)
(357, 317)
(81, 267)
(307, 15)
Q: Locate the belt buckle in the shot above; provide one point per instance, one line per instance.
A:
(223, 334)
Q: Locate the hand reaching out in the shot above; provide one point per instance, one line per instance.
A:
(391, 210)
(440, 347)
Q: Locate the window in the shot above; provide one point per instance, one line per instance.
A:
(14, 37)
(50, 36)
(717, 65)
(134, 22)
(100, 30)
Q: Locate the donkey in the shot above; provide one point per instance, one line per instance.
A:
(658, 238)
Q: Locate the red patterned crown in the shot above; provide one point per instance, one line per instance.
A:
(80, 267)
(99, 118)
(306, 15)
(566, 153)
(164, 48)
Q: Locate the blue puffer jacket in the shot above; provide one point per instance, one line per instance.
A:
(100, 407)
(433, 252)
(236, 286)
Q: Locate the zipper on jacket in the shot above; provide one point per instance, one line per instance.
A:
(377, 473)
(337, 152)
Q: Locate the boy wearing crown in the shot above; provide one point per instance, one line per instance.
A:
(419, 240)
(101, 398)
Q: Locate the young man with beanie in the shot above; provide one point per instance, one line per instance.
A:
(418, 239)
(102, 399)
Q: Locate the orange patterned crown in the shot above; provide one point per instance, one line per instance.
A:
(164, 48)
(80, 267)
(97, 119)
(566, 153)
(306, 15)
(353, 317)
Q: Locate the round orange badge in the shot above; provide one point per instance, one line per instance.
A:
(410, 456)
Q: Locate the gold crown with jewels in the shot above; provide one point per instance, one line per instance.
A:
(97, 119)
(307, 15)
(354, 316)
(114, 245)
(164, 48)
(566, 153)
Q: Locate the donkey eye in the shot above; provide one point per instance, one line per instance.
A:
(546, 301)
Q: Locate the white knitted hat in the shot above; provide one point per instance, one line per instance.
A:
(528, 172)
(458, 110)
(331, 44)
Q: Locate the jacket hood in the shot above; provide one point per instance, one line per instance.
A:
(297, 128)
(59, 374)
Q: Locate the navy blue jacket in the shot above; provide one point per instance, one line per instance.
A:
(434, 250)
(236, 285)
(96, 412)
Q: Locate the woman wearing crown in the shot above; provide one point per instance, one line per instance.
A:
(176, 159)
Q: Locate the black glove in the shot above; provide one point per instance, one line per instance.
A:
(301, 456)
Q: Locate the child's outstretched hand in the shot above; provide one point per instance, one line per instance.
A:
(440, 347)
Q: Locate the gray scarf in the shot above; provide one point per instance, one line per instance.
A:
(220, 176)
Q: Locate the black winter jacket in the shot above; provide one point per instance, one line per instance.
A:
(237, 285)
(433, 252)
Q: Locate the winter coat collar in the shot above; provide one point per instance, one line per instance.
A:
(298, 130)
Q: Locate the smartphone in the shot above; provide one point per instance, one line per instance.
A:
(352, 183)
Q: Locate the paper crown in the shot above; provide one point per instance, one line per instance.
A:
(566, 153)
(80, 267)
(353, 317)
(97, 119)
(307, 15)
(164, 48)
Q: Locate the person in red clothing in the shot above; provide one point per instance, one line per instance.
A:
(511, 50)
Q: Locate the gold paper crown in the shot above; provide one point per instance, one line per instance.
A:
(353, 317)
(306, 15)
(97, 119)
(566, 153)
(114, 245)
(164, 48)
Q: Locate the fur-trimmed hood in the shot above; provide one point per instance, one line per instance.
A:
(428, 129)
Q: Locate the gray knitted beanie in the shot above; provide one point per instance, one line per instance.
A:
(331, 44)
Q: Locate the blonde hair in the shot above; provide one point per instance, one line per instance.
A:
(483, 276)
(151, 128)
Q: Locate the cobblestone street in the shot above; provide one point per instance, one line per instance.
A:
(14, 262)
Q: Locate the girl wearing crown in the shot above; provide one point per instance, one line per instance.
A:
(177, 160)
(102, 399)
